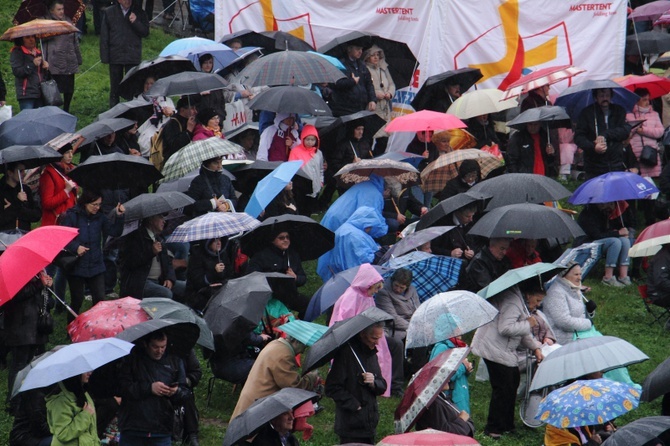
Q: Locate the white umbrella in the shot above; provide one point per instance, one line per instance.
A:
(480, 102)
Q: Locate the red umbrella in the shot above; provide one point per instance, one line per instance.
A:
(540, 78)
(107, 319)
(657, 85)
(29, 255)
(424, 387)
(428, 437)
(650, 11)
(425, 120)
(651, 240)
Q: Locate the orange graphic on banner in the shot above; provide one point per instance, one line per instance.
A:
(271, 21)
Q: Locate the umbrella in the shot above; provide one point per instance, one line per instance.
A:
(100, 129)
(270, 41)
(339, 334)
(657, 383)
(37, 9)
(540, 78)
(435, 85)
(182, 336)
(270, 186)
(431, 274)
(427, 437)
(451, 204)
(290, 99)
(359, 172)
(436, 174)
(425, 120)
(611, 187)
(553, 115)
(520, 188)
(639, 432)
(587, 402)
(335, 128)
(651, 239)
(161, 308)
(526, 221)
(446, 315)
(39, 28)
(115, 171)
(481, 102)
(584, 356)
(306, 332)
(182, 184)
(577, 97)
(264, 410)
(308, 238)
(74, 359)
(247, 177)
(192, 155)
(514, 276)
(187, 43)
(413, 241)
(9, 237)
(289, 68)
(657, 85)
(326, 296)
(222, 54)
(132, 83)
(648, 42)
(36, 126)
(123, 109)
(333, 60)
(21, 375)
(30, 156)
(425, 386)
(106, 319)
(147, 205)
(213, 225)
(186, 84)
(26, 257)
(650, 11)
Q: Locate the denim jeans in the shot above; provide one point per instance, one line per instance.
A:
(616, 251)
(131, 438)
(153, 289)
(28, 104)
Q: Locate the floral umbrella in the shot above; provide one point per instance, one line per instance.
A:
(106, 319)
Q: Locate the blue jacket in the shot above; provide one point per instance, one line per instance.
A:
(369, 193)
(460, 392)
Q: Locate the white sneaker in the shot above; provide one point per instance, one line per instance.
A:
(625, 280)
(613, 282)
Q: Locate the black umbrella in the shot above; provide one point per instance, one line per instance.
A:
(100, 129)
(115, 171)
(147, 205)
(29, 156)
(187, 83)
(132, 83)
(38, 9)
(182, 184)
(182, 336)
(270, 41)
(526, 221)
(650, 42)
(657, 383)
(413, 241)
(339, 334)
(553, 116)
(515, 188)
(139, 106)
(290, 99)
(639, 432)
(162, 308)
(434, 87)
(248, 176)
(371, 121)
(36, 126)
(308, 238)
(451, 204)
(264, 410)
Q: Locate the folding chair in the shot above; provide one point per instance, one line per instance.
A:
(664, 312)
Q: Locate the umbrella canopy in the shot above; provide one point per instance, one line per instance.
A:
(650, 11)
(290, 99)
(587, 402)
(446, 315)
(132, 83)
(270, 41)
(26, 257)
(425, 386)
(40, 28)
(431, 274)
(30, 156)
(435, 85)
(436, 174)
(308, 238)
(333, 60)
(657, 383)
(339, 334)
(526, 221)
(147, 205)
(540, 78)
(36, 126)
(213, 225)
(264, 410)
(74, 359)
(182, 336)
(186, 84)
(289, 68)
(115, 171)
(611, 187)
(187, 43)
(481, 102)
(648, 42)
(37, 9)
(651, 239)
(639, 432)
(657, 85)
(162, 308)
(576, 98)
(106, 319)
(542, 271)
(359, 172)
(584, 356)
(425, 120)
(192, 155)
(413, 241)
(9, 237)
(451, 204)
(269, 187)
(427, 437)
(306, 332)
(104, 127)
(247, 177)
(123, 109)
(552, 115)
(182, 184)
(222, 55)
(21, 375)
(515, 188)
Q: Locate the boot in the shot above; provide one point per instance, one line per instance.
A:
(192, 440)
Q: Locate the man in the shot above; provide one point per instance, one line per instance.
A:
(601, 132)
(19, 208)
(658, 277)
(457, 243)
(179, 129)
(354, 92)
(277, 432)
(487, 265)
(121, 33)
(354, 382)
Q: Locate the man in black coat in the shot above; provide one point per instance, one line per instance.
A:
(658, 278)
(457, 243)
(487, 265)
(354, 92)
(211, 189)
(178, 131)
(19, 207)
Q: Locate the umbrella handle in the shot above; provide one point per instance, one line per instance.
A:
(357, 359)
(67, 307)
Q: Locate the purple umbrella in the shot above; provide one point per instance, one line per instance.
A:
(611, 187)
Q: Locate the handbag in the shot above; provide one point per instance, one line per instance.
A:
(45, 322)
(66, 261)
(649, 156)
(50, 93)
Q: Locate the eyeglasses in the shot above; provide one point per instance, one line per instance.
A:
(95, 205)
(283, 237)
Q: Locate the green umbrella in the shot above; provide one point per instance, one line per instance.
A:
(306, 332)
(162, 308)
(514, 276)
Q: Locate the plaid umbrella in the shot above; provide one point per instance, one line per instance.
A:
(213, 225)
(106, 319)
(435, 176)
(431, 274)
(289, 68)
(355, 173)
(39, 28)
(192, 155)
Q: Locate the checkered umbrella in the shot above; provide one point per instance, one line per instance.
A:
(289, 68)
(432, 274)
(435, 176)
(192, 155)
(213, 225)
(355, 173)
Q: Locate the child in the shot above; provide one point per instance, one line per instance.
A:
(312, 159)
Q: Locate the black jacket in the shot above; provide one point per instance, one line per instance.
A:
(120, 40)
(456, 238)
(418, 148)
(521, 153)
(175, 135)
(406, 202)
(21, 314)
(348, 96)
(658, 276)
(19, 213)
(442, 416)
(267, 436)
(135, 259)
(273, 260)
(343, 154)
(485, 134)
(453, 187)
(484, 269)
(30, 419)
(27, 76)
(597, 225)
(206, 186)
(201, 273)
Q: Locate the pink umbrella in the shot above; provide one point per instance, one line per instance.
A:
(425, 120)
(657, 85)
(428, 437)
(106, 319)
(540, 78)
(650, 11)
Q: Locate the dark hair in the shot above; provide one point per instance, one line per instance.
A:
(403, 276)
(205, 115)
(204, 58)
(471, 207)
(468, 166)
(14, 165)
(187, 101)
(532, 286)
(641, 91)
(88, 196)
(596, 90)
(235, 40)
(53, 3)
(73, 384)
(158, 335)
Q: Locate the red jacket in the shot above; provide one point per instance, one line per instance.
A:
(55, 200)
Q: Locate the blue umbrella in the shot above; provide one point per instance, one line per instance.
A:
(184, 44)
(270, 186)
(611, 187)
(406, 157)
(37, 126)
(334, 60)
(578, 97)
(222, 54)
(431, 274)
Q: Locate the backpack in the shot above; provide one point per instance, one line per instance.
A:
(156, 149)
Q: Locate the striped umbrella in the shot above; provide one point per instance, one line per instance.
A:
(306, 332)
(213, 225)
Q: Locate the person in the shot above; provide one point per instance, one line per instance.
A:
(211, 99)
(383, 83)
(178, 130)
(28, 68)
(207, 125)
(89, 269)
(522, 252)
(106, 145)
(469, 174)
(399, 298)
(397, 201)
(456, 390)
(354, 382)
(312, 160)
(423, 144)
(367, 193)
(30, 427)
(122, 29)
(567, 151)
(193, 374)
(442, 415)
(20, 209)
(530, 151)
(278, 139)
(146, 264)
(355, 92)
(483, 129)
(211, 189)
(162, 110)
(496, 343)
(63, 54)
(284, 203)
(209, 268)
(457, 243)
(600, 133)
(586, 435)
(537, 97)
(442, 142)
(71, 413)
(246, 136)
(233, 363)
(445, 97)
(487, 265)
(277, 432)
(658, 277)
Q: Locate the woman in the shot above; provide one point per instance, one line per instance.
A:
(442, 141)
(163, 109)
(382, 83)
(496, 343)
(646, 134)
(457, 390)
(208, 269)
(211, 189)
(399, 298)
(211, 99)
(208, 125)
(29, 69)
(89, 269)
(469, 174)
(282, 204)
(71, 413)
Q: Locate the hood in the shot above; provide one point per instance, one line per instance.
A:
(377, 181)
(366, 276)
(374, 49)
(279, 117)
(310, 130)
(367, 217)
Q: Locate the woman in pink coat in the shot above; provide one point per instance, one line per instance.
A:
(647, 133)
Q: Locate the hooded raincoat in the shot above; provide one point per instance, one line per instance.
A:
(368, 193)
(311, 157)
(272, 145)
